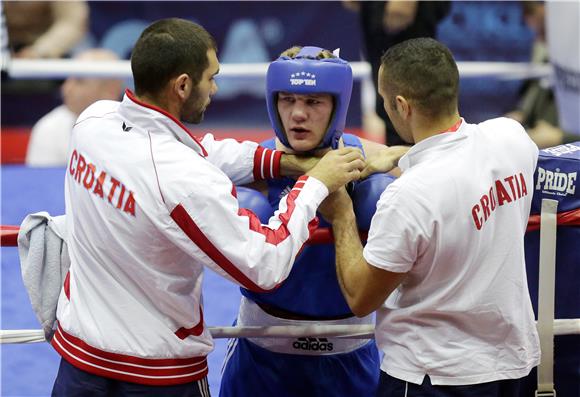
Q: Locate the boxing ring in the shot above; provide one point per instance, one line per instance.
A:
(34, 190)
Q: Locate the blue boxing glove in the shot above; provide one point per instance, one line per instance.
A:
(255, 202)
(365, 195)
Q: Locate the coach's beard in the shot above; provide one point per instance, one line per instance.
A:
(193, 109)
(197, 117)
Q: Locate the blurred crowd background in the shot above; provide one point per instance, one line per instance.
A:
(249, 32)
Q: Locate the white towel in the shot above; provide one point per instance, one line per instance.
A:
(44, 263)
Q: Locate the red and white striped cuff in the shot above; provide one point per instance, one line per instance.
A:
(266, 163)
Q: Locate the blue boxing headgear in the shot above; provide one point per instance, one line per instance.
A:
(305, 74)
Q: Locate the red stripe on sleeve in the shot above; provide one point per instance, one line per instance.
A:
(275, 237)
(276, 165)
(258, 160)
(184, 221)
(266, 164)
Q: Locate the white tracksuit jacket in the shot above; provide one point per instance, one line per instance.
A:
(148, 206)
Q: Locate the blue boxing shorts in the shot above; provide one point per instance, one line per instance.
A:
(254, 371)
(299, 367)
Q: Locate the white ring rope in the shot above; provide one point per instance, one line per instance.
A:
(63, 68)
(561, 327)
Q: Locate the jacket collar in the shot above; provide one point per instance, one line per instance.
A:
(151, 117)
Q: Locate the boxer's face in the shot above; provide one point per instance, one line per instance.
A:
(200, 97)
(305, 118)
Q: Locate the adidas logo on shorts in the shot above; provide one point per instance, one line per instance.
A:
(313, 344)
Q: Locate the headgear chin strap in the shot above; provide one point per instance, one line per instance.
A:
(305, 74)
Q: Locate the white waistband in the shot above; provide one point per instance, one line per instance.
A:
(251, 314)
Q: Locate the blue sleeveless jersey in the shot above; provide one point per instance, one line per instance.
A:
(312, 287)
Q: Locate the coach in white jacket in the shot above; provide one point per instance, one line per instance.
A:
(148, 206)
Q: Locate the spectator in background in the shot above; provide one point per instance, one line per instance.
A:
(563, 34)
(537, 110)
(45, 29)
(537, 100)
(49, 140)
(384, 24)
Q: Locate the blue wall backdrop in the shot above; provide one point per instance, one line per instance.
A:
(258, 31)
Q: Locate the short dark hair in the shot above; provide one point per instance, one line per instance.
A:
(293, 51)
(166, 49)
(424, 72)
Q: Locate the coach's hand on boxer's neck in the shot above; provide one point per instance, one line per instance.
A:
(296, 164)
(384, 160)
(338, 167)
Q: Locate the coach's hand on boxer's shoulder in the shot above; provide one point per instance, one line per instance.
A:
(337, 205)
(338, 167)
(383, 160)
